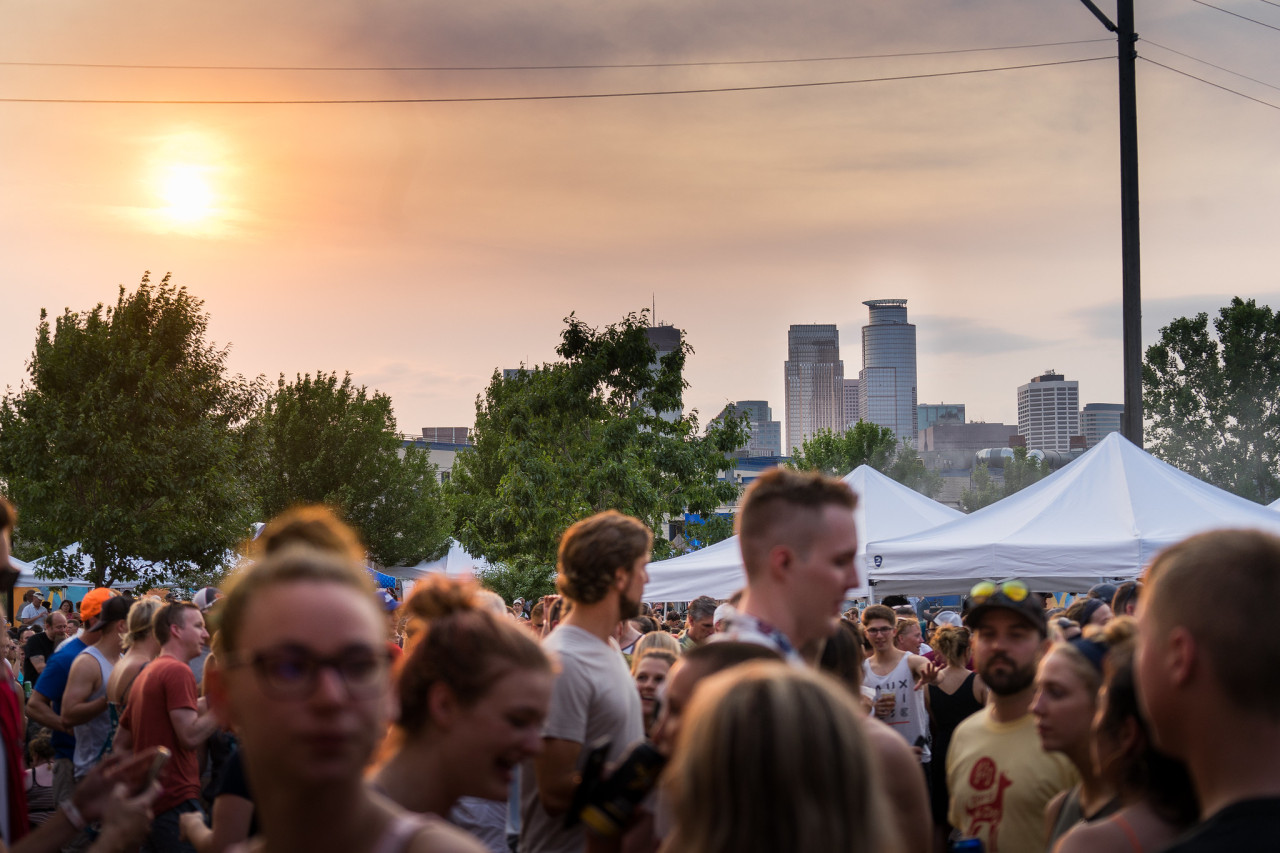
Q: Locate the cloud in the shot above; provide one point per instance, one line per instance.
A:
(943, 335)
(1103, 321)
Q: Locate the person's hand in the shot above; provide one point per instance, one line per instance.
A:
(189, 825)
(95, 792)
(885, 704)
(127, 819)
(928, 675)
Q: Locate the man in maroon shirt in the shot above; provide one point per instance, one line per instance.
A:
(164, 710)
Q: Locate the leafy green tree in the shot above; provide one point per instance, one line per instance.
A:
(908, 469)
(128, 440)
(1020, 471)
(1212, 400)
(327, 441)
(527, 579)
(598, 430)
(837, 453)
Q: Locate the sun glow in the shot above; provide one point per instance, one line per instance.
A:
(186, 190)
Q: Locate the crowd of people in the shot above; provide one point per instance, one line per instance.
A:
(298, 708)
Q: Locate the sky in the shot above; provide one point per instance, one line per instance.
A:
(420, 246)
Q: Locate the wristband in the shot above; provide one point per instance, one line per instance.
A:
(73, 815)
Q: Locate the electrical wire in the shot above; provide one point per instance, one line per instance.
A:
(1211, 65)
(568, 97)
(544, 67)
(1211, 83)
(1237, 15)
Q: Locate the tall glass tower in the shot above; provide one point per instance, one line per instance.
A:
(887, 381)
(814, 377)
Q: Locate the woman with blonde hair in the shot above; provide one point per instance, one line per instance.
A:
(752, 770)
(140, 648)
(305, 681)
(656, 641)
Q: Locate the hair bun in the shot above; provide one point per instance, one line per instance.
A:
(440, 596)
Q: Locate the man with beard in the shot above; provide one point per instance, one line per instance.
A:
(999, 777)
(601, 567)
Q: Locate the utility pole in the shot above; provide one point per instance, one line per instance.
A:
(1131, 295)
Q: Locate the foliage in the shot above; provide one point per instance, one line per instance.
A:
(599, 430)
(327, 441)
(837, 453)
(129, 440)
(1213, 400)
(525, 579)
(1020, 471)
(908, 469)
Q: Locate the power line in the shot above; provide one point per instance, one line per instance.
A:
(1271, 3)
(583, 96)
(1210, 83)
(1237, 15)
(543, 67)
(1211, 65)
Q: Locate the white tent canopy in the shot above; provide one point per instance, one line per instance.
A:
(1103, 516)
(457, 563)
(886, 509)
(1275, 505)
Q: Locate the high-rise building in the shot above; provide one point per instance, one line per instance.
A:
(928, 414)
(1049, 411)
(1098, 420)
(887, 381)
(766, 433)
(665, 340)
(814, 377)
(447, 435)
(852, 413)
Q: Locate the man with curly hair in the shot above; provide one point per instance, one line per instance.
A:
(601, 567)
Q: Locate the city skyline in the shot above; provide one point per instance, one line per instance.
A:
(421, 246)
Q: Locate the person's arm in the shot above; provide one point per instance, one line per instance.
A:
(904, 785)
(231, 818)
(556, 773)
(924, 670)
(191, 727)
(40, 710)
(77, 707)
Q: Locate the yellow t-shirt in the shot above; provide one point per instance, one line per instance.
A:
(1000, 781)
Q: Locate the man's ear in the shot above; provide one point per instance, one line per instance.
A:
(442, 705)
(1181, 655)
(781, 561)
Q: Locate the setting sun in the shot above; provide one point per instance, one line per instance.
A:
(187, 192)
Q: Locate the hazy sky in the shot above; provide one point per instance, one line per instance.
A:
(420, 246)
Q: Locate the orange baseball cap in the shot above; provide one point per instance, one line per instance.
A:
(91, 604)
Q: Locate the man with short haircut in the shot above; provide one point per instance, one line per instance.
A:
(32, 608)
(897, 677)
(84, 702)
(700, 622)
(41, 647)
(999, 777)
(1206, 681)
(601, 571)
(799, 548)
(163, 710)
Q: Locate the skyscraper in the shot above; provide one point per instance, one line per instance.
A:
(1098, 420)
(1049, 411)
(887, 381)
(665, 340)
(814, 377)
(852, 414)
(766, 434)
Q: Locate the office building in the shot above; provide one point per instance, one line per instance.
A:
(852, 413)
(814, 376)
(447, 435)
(766, 433)
(887, 381)
(928, 414)
(665, 340)
(1049, 411)
(1098, 420)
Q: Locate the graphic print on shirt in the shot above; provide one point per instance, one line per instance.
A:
(987, 804)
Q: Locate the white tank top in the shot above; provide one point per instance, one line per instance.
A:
(909, 717)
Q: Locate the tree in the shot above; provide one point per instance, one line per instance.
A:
(128, 441)
(327, 441)
(837, 453)
(523, 578)
(1213, 400)
(1020, 470)
(599, 430)
(908, 469)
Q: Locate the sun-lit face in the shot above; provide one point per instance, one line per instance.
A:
(186, 191)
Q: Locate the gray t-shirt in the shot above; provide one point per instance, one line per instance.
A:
(594, 697)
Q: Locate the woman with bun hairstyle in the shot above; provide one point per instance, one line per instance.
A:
(958, 694)
(304, 679)
(474, 690)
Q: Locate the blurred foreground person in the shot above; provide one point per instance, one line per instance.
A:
(1206, 679)
(1157, 800)
(304, 680)
(744, 776)
(473, 691)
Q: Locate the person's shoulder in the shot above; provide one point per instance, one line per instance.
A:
(1233, 828)
(437, 836)
(975, 722)
(1097, 837)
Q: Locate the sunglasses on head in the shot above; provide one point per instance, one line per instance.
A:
(1014, 590)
